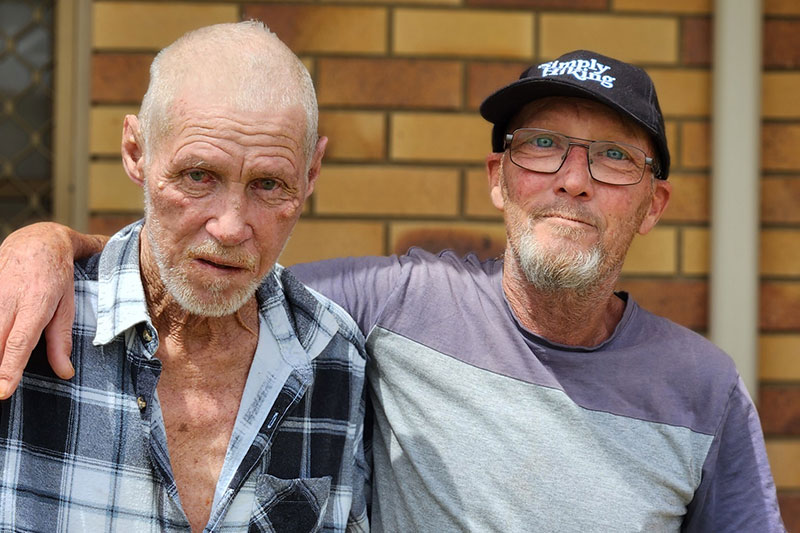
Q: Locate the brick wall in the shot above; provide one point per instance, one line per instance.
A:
(399, 83)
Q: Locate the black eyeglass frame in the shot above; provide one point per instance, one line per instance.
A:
(586, 144)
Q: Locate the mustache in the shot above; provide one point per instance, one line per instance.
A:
(570, 212)
(215, 252)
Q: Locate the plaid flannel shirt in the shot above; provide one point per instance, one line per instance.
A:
(90, 454)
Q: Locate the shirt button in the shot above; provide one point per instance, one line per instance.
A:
(141, 403)
(146, 335)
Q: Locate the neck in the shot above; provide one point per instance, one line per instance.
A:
(184, 335)
(565, 316)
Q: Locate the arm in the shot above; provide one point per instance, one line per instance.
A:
(737, 492)
(360, 285)
(36, 293)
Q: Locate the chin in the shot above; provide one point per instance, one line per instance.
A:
(212, 308)
(213, 299)
(553, 266)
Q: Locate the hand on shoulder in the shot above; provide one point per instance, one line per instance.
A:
(36, 295)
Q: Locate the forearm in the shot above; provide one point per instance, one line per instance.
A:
(84, 245)
(57, 242)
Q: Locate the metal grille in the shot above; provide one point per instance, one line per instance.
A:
(26, 109)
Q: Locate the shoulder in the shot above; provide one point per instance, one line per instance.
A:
(687, 349)
(450, 260)
(415, 260)
(692, 378)
(121, 253)
(445, 271)
(309, 312)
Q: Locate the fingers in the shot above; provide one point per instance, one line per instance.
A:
(58, 335)
(35, 283)
(17, 346)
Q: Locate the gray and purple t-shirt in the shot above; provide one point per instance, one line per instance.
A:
(481, 425)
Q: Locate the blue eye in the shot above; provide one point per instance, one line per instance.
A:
(266, 184)
(616, 153)
(196, 175)
(543, 142)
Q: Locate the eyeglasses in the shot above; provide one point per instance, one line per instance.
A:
(610, 162)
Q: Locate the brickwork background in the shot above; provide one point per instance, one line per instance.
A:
(399, 83)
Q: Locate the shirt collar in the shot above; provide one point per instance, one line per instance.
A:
(120, 295)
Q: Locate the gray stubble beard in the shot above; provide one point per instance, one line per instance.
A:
(177, 283)
(550, 271)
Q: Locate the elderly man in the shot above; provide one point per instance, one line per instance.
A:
(524, 393)
(212, 390)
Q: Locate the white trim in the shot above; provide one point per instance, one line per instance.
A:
(71, 95)
(736, 130)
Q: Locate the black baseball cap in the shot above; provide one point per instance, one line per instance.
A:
(585, 74)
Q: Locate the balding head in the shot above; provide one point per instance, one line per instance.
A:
(242, 65)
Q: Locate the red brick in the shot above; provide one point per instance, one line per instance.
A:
(400, 83)
(120, 78)
(696, 38)
(779, 141)
(585, 5)
(104, 224)
(782, 43)
(694, 150)
(321, 28)
(353, 135)
(689, 200)
(780, 306)
(781, 7)
(462, 240)
(780, 199)
(683, 301)
(485, 78)
(779, 408)
(789, 503)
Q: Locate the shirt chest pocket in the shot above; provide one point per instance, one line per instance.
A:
(296, 505)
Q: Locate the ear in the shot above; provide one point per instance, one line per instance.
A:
(316, 164)
(494, 172)
(658, 203)
(133, 149)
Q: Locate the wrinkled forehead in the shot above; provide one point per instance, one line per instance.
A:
(198, 123)
(236, 89)
(212, 102)
(581, 111)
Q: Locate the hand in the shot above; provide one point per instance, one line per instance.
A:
(36, 293)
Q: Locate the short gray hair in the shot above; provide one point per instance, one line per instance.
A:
(249, 57)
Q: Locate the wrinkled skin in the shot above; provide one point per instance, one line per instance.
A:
(37, 295)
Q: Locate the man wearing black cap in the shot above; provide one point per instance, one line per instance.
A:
(524, 393)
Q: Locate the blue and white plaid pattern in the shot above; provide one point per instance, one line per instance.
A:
(90, 454)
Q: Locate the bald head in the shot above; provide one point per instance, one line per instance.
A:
(243, 66)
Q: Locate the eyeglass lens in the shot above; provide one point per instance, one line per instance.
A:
(545, 151)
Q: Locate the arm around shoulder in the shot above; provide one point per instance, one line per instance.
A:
(36, 295)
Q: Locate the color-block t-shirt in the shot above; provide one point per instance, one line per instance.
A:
(481, 425)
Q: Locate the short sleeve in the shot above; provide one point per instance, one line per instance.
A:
(736, 492)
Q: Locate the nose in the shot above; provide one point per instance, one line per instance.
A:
(229, 224)
(574, 178)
